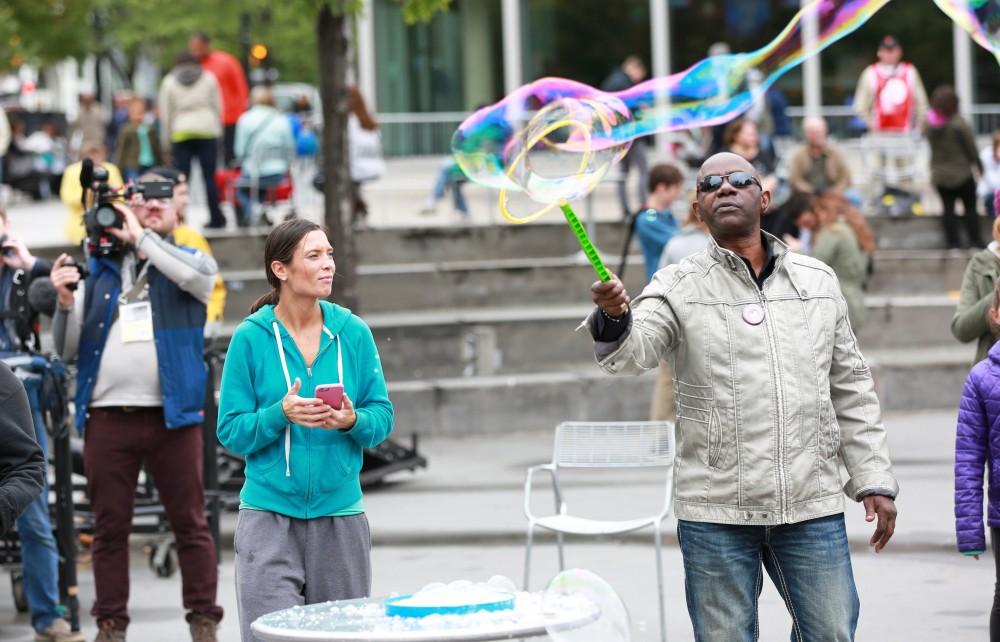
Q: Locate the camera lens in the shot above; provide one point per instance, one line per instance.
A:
(106, 216)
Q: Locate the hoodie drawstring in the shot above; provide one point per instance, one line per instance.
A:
(288, 382)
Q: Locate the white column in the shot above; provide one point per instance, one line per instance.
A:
(659, 32)
(365, 52)
(962, 46)
(812, 84)
(512, 74)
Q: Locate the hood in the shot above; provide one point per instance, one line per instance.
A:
(936, 118)
(334, 317)
(994, 353)
(187, 74)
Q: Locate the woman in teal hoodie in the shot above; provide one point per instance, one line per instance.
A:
(302, 536)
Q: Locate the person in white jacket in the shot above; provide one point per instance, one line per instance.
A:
(989, 183)
(190, 107)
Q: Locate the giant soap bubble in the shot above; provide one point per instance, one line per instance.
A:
(515, 145)
(981, 18)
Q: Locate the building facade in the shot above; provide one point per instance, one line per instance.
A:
(423, 79)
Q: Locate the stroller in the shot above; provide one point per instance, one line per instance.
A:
(261, 190)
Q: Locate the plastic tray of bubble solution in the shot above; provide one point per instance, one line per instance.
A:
(403, 606)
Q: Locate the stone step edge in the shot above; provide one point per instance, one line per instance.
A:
(522, 263)
(958, 356)
(573, 312)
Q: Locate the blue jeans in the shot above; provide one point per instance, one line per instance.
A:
(447, 178)
(243, 195)
(39, 555)
(808, 562)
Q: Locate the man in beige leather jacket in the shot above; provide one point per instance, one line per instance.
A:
(772, 395)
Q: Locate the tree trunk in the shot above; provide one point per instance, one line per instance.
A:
(331, 37)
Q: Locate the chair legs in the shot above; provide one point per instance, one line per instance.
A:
(527, 555)
(658, 545)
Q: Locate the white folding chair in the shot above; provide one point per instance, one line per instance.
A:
(604, 445)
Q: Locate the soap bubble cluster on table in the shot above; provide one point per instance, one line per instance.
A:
(367, 619)
(613, 624)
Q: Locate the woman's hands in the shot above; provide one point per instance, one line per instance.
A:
(342, 419)
(314, 413)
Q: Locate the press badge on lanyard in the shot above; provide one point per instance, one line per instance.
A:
(136, 318)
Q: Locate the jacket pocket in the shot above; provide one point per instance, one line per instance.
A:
(700, 421)
(337, 458)
(265, 460)
(828, 432)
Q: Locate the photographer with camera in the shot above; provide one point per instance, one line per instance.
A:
(135, 326)
(19, 333)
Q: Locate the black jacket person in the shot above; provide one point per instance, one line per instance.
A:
(21, 465)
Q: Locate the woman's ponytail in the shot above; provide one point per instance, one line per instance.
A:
(271, 298)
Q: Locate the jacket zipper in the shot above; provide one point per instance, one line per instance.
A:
(309, 377)
(780, 398)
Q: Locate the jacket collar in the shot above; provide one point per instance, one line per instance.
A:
(772, 247)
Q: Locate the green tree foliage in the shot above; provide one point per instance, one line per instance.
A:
(41, 32)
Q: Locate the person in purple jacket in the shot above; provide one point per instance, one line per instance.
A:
(977, 448)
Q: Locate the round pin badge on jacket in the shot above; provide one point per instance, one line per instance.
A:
(753, 314)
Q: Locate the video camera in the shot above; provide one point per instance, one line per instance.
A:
(102, 215)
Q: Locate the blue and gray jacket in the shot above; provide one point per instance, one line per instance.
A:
(180, 281)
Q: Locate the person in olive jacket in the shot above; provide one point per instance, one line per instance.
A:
(21, 465)
(954, 165)
(970, 322)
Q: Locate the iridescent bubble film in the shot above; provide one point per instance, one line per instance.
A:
(981, 18)
(516, 146)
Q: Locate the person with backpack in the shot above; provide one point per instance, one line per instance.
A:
(890, 95)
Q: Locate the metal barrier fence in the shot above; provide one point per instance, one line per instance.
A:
(420, 134)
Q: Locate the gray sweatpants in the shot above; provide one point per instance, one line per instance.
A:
(283, 562)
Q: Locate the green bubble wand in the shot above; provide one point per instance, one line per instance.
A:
(585, 243)
(583, 129)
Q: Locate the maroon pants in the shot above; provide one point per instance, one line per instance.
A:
(116, 443)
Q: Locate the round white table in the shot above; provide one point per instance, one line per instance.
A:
(365, 619)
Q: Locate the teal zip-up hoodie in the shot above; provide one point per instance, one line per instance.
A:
(291, 470)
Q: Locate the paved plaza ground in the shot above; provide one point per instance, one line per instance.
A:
(462, 519)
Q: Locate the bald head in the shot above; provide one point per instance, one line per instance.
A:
(725, 163)
(814, 129)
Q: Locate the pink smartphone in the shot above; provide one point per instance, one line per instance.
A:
(332, 394)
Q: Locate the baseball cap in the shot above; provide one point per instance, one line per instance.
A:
(888, 42)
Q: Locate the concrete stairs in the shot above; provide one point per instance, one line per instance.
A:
(476, 324)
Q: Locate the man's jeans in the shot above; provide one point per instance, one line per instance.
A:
(39, 555)
(809, 563)
(447, 178)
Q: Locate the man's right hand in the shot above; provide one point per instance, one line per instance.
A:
(63, 276)
(610, 296)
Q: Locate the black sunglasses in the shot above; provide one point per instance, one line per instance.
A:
(739, 180)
